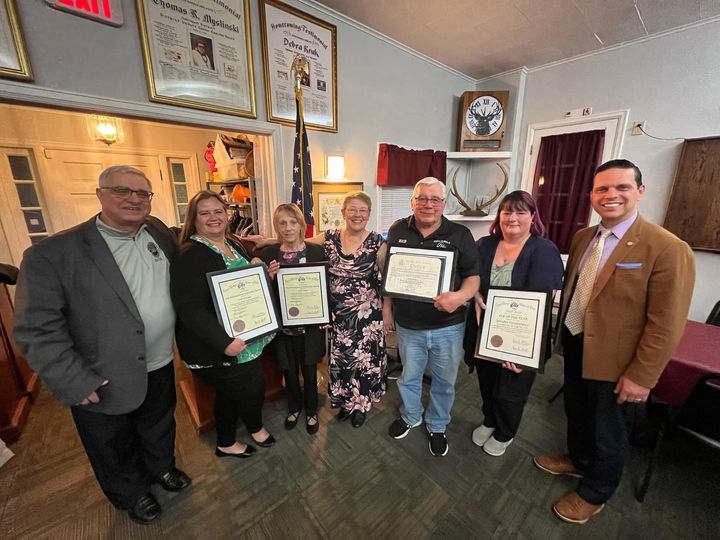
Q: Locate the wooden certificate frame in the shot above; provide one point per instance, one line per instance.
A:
(287, 31)
(199, 55)
(327, 203)
(11, 39)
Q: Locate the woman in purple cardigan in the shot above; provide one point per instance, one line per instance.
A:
(513, 255)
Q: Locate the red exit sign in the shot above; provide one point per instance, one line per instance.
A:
(104, 11)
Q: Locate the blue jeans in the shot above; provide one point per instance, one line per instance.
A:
(442, 348)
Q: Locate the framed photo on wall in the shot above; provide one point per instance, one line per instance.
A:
(327, 203)
(199, 54)
(14, 61)
(287, 32)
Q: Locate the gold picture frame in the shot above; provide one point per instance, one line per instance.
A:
(11, 40)
(327, 202)
(181, 51)
(287, 31)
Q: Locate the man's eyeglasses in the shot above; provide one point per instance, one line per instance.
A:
(125, 192)
(435, 201)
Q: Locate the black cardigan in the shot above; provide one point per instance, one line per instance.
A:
(537, 268)
(200, 337)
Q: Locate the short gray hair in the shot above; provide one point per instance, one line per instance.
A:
(428, 181)
(120, 169)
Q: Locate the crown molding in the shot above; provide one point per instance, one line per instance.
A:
(624, 44)
(382, 37)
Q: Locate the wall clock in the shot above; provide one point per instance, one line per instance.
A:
(482, 121)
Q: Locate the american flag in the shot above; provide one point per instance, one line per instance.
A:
(302, 171)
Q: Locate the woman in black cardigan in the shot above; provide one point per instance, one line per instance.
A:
(513, 255)
(228, 364)
(296, 348)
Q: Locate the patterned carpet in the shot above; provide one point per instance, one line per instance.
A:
(357, 483)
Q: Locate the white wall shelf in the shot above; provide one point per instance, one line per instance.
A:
(479, 155)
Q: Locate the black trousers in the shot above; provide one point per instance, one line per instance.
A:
(297, 396)
(239, 395)
(597, 427)
(504, 396)
(127, 451)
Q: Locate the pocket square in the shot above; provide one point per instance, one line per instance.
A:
(628, 265)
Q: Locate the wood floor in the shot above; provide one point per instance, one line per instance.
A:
(357, 483)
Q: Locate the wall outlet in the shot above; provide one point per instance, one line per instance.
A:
(638, 127)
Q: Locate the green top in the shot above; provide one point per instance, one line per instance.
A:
(255, 348)
(501, 275)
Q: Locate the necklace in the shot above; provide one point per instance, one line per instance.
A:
(507, 252)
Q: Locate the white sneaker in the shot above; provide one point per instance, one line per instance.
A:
(481, 434)
(494, 447)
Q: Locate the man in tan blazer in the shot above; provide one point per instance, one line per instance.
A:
(623, 311)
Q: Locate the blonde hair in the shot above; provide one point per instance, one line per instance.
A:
(292, 210)
(360, 196)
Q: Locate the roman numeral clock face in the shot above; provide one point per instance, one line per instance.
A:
(484, 116)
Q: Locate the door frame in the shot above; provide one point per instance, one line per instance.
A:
(614, 123)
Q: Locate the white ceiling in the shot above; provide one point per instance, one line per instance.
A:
(485, 37)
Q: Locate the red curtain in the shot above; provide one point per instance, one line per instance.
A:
(563, 180)
(400, 167)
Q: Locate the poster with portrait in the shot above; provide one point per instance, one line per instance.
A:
(287, 32)
(14, 62)
(199, 54)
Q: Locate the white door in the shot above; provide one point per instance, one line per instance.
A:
(613, 124)
(71, 177)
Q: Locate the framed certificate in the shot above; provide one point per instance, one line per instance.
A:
(14, 61)
(303, 294)
(287, 32)
(417, 273)
(243, 301)
(515, 327)
(327, 203)
(199, 54)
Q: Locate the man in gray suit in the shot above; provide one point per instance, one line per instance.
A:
(95, 320)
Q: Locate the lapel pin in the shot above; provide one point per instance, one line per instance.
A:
(630, 243)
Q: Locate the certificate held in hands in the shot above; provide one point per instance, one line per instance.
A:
(244, 302)
(515, 327)
(303, 294)
(417, 274)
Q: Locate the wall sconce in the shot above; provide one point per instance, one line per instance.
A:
(105, 128)
(334, 167)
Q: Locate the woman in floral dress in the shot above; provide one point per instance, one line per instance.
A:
(357, 361)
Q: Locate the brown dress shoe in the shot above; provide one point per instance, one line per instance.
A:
(574, 509)
(557, 465)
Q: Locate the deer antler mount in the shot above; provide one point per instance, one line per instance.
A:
(480, 206)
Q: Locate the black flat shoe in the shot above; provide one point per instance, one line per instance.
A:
(145, 509)
(358, 419)
(249, 451)
(312, 429)
(292, 420)
(267, 443)
(343, 415)
(174, 480)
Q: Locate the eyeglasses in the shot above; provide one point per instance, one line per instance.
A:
(123, 192)
(435, 201)
(358, 211)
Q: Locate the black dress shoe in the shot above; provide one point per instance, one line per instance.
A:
(312, 429)
(358, 419)
(174, 480)
(145, 509)
(343, 415)
(267, 443)
(292, 420)
(249, 451)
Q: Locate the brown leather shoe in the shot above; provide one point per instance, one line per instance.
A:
(557, 465)
(574, 509)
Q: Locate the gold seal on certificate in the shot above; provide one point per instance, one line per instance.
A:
(244, 302)
(417, 274)
(515, 327)
(303, 294)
